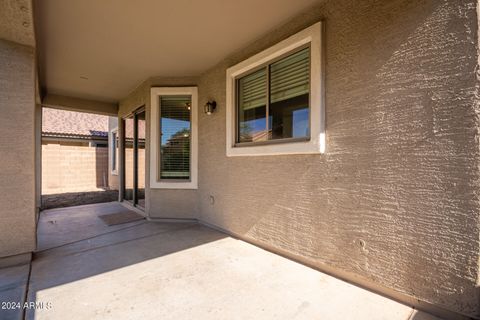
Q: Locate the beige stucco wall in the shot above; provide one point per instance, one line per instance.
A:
(400, 173)
(17, 149)
(393, 203)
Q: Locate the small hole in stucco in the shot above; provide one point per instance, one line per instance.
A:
(212, 200)
(25, 24)
(362, 244)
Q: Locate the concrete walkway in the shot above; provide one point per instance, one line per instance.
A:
(146, 270)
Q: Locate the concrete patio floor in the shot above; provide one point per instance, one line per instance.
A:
(149, 270)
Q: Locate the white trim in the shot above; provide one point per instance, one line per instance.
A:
(316, 144)
(111, 151)
(155, 141)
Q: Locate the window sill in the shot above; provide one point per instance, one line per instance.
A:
(173, 185)
(270, 142)
(302, 146)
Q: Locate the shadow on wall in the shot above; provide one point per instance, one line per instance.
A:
(69, 199)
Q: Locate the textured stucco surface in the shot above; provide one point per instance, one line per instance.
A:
(400, 174)
(17, 149)
(394, 200)
(16, 21)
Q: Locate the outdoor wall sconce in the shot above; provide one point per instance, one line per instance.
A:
(210, 107)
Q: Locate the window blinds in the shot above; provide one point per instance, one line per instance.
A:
(175, 128)
(290, 77)
(252, 90)
(268, 98)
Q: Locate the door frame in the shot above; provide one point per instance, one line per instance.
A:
(131, 115)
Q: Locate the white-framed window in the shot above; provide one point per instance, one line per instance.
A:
(113, 151)
(174, 140)
(275, 99)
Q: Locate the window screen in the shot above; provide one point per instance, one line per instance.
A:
(175, 126)
(273, 102)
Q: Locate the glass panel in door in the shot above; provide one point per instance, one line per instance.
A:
(140, 199)
(129, 158)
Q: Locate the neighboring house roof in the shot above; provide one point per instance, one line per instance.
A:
(129, 129)
(71, 124)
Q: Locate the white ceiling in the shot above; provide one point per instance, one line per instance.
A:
(116, 44)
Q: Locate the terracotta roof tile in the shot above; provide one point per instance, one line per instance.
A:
(56, 121)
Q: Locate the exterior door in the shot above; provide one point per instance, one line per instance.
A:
(134, 158)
